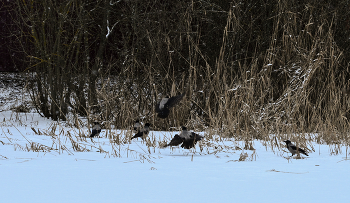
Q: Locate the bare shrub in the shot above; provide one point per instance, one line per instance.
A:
(248, 69)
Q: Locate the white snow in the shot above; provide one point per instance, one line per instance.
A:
(150, 174)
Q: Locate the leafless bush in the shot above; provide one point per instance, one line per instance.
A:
(249, 69)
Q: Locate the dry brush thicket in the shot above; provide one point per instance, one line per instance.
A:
(249, 69)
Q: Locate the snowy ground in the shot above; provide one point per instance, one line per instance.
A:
(58, 173)
(45, 161)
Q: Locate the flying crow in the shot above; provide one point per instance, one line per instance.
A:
(163, 107)
(294, 149)
(187, 138)
(143, 132)
(96, 129)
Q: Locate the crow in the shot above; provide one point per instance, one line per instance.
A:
(187, 138)
(143, 132)
(163, 107)
(96, 129)
(294, 149)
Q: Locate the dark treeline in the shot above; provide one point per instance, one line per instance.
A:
(246, 66)
(11, 56)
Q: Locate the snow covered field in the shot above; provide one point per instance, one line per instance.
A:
(46, 161)
(133, 172)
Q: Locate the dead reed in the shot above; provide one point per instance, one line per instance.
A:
(272, 71)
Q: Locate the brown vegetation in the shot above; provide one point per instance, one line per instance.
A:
(247, 68)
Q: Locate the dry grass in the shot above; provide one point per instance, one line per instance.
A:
(293, 89)
(296, 87)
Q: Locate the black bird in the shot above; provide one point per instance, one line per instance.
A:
(163, 107)
(137, 125)
(187, 138)
(143, 132)
(294, 149)
(96, 129)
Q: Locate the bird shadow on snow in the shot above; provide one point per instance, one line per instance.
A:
(294, 157)
(274, 170)
(185, 154)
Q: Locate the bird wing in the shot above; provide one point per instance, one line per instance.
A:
(142, 132)
(293, 147)
(175, 141)
(196, 137)
(172, 101)
(139, 134)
